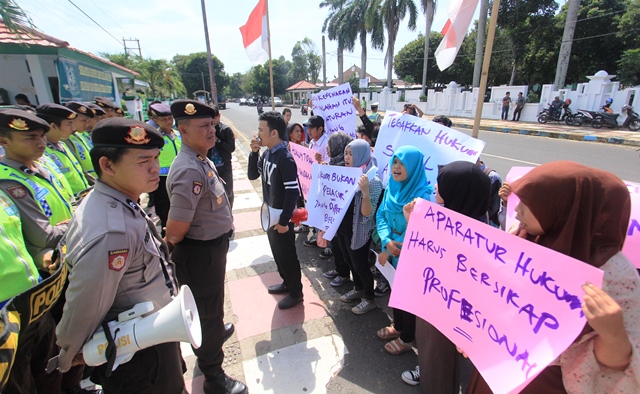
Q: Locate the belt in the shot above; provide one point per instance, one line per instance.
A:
(196, 242)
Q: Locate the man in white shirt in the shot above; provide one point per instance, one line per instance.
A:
(319, 139)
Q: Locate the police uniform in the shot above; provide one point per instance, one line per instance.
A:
(77, 143)
(43, 202)
(117, 259)
(197, 196)
(98, 114)
(60, 152)
(172, 144)
(104, 102)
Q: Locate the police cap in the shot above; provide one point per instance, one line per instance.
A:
(159, 109)
(191, 109)
(52, 112)
(12, 119)
(105, 102)
(81, 109)
(126, 133)
(119, 111)
(97, 111)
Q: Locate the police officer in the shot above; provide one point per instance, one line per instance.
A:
(108, 106)
(43, 202)
(161, 115)
(98, 114)
(198, 228)
(77, 143)
(119, 113)
(117, 259)
(61, 122)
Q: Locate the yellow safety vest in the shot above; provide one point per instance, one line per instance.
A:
(71, 169)
(169, 152)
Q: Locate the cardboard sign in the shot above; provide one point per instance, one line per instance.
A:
(511, 305)
(440, 144)
(304, 158)
(335, 106)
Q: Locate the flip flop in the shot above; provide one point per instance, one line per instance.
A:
(397, 346)
(388, 333)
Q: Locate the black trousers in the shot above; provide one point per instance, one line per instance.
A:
(342, 268)
(283, 247)
(162, 201)
(157, 369)
(201, 265)
(516, 113)
(226, 173)
(404, 322)
(358, 261)
(36, 346)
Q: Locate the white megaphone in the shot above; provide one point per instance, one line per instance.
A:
(178, 321)
(269, 216)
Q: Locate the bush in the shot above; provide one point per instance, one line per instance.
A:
(532, 97)
(402, 96)
(423, 98)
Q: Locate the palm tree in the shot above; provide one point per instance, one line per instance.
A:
(336, 27)
(429, 8)
(392, 12)
(357, 27)
(14, 17)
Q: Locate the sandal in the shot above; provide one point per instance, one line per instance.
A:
(397, 346)
(388, 333)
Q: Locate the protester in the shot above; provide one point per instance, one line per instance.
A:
(443, 120)
(286, 113)
(295, 134)
(354, 234)
(495, 202)
(584, 212)
(318, 142)
(412, 109)
(464, 188)
(407, 182)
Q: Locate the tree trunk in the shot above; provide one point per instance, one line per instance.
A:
(482, 31)
(340, 64)
(567, 40)
(363, 56)
(425, 66)
(513, 73)
(390, 48)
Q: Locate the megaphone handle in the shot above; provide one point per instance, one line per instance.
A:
(111, 352)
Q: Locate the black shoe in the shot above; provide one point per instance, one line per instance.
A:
(290, 301)
(229, 329)
(234, 386)
(278, 289)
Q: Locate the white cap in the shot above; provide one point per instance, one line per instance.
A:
(374, 104)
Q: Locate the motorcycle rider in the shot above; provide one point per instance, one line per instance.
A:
(607, 106)
(555, 108)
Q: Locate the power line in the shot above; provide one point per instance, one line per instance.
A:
(92, 20)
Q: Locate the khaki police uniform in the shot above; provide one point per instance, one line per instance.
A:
(115, 258)
(197, 196)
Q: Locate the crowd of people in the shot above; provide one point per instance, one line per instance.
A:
(71, 181)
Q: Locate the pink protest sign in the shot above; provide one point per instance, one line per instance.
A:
(511, 305)
(631, 247)
(304, 158)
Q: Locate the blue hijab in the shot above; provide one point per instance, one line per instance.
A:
(361, 155)
(416, 185)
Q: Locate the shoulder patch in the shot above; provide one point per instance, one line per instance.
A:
(117, 259)
(197, 188)
(18, 192)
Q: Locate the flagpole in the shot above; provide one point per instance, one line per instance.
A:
(273, 104)
(485, 68)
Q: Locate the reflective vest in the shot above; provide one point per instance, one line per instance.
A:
(169, 152)
(71, 169)
(18, 271)
(81, 152)
(50, 195)
(53, 169)
(374, 116)
(86, 137)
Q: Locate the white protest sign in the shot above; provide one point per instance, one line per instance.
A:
(331, 192)
(335, 106)
(439, 144)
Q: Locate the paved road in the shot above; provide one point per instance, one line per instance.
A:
(502, 151)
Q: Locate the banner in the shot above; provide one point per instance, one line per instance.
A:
(335, 106)
(440, 144)
(304, 158)
(631, 247)
(511, 305)
(80, 82)
(331, 192)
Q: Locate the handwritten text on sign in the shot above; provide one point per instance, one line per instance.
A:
(511, 305)
(440, 144)
(304, 158)
(631, 247)
(335, 106)
(331, 192)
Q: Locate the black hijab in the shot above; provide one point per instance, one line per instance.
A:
(465, 188)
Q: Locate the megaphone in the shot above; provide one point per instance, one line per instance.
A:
(178, 321)
(269, 216)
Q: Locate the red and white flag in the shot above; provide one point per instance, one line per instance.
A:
(460, 15)
(255, 36)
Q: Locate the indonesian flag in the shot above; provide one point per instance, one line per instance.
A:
(460, 15)
(254, 34)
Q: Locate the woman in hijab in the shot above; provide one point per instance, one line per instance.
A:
(584, 213)
(407, 182)
(340, 275)
(464, 188)
(354, 234)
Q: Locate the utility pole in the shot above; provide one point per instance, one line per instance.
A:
(324, 65)
(567, 41)
(429, 19)
(214, 89)
(203, 87)
(482, 31)
(132, 48)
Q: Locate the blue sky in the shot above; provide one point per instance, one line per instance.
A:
(169, 27)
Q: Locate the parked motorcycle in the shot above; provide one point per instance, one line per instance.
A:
(259, 107)
(633, 120)
(548, 115)
(585, 117)
(304, 109)
(604, 118)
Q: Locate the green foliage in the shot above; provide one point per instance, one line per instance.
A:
(259, 82)
(162, 76)
(629, 23)
(629, 68)
(306, 63)
(354, 82)
(14, 17)
(193, 67)
(423, 98)
(236, 85)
